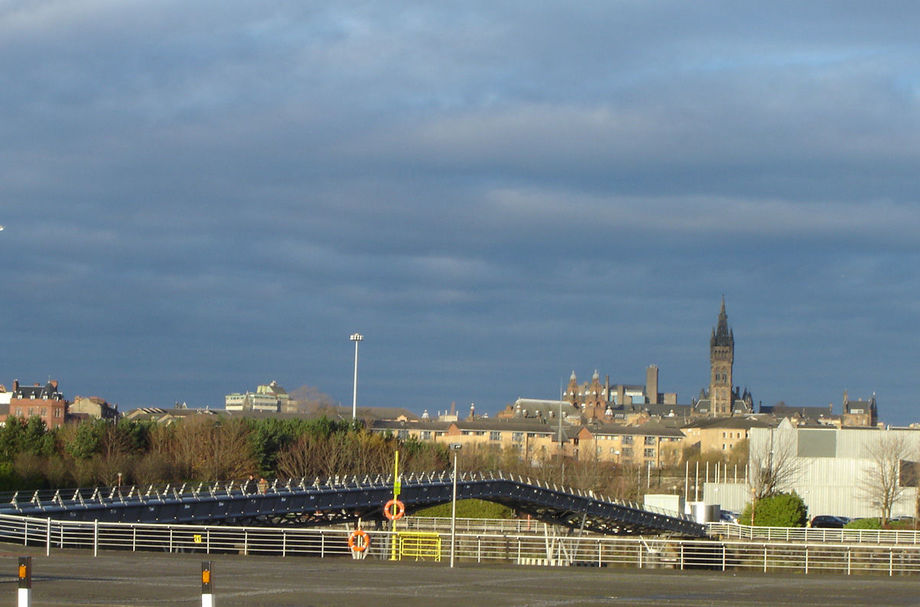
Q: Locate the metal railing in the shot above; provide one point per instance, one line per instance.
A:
(13, 501)
(473, 525)
(340, 499)
(810, 535)
(512, 547)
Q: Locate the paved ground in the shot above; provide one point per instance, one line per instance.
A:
(124, 578)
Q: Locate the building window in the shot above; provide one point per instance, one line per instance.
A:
(403, 434)
(627, 451)
(494, 435)
(649, 440)
(426, 434)
(627, 440)
(649, 453)
(517, 437)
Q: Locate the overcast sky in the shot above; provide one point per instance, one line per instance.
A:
(200, 197)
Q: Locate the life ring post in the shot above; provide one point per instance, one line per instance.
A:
(394, 510)
(358, 541)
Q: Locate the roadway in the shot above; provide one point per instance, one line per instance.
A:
(148, 579)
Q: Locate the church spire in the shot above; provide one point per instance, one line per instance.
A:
(722, 335)
(721, 360)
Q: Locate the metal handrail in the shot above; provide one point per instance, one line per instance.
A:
(472, 547)
(104, 495)
(814, 535)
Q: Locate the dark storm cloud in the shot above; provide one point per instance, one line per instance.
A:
(205, 196)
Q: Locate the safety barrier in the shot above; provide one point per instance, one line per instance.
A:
(519, 548)
(725, 531)
(810, 535)
(418, 546)
(473, 525)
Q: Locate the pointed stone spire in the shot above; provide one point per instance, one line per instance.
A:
(722, 335)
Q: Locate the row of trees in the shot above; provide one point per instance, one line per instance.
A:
(207, 448)
(197, 448)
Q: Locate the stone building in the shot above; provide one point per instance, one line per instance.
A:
(91, 407)
(609, 402)
(44, 401)
(537, 440)
(859, 412)
(268, 398)
(722, 398)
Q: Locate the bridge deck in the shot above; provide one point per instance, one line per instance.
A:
(344, 499)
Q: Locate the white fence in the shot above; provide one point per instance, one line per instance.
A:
(520, 547)
(808, 535)
(725, 531)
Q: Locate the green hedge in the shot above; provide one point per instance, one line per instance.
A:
(469, 509)
(864, 523)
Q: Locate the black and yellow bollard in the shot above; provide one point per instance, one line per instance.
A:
(207, 586)
(25, 581)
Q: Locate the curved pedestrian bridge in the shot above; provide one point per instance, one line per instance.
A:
(342, 499)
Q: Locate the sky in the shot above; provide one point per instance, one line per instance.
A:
(202, 197)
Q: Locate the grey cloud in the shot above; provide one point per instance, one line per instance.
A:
(218, 193)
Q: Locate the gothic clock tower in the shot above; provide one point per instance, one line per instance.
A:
(721, 361)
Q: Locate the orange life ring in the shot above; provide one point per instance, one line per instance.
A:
(390, 514)
(354, 545)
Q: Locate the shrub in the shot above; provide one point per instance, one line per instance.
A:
(471, 508)
(864, 523)
(780, 510)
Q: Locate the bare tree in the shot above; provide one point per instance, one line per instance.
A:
(881, 485)
(308, 399)
(772, 463)
(301, 458)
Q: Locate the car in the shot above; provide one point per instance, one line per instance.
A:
(727, 516)
(827, 521)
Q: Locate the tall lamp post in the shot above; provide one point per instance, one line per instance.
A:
(455, 447)
(357, 338)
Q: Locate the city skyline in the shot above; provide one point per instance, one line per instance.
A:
(199, 199)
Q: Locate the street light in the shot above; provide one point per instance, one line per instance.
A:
(455, 447)
(355, 337)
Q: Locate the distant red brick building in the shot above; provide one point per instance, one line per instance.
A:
(46, 402)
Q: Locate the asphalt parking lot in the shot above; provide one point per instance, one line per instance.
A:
(125, 578)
